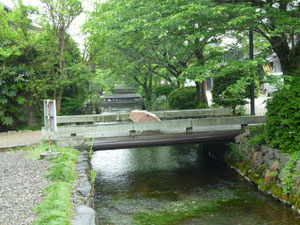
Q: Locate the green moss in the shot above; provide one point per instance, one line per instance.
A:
(295, 199)
(244, 167)
(273, 174)
(277, 191)
(93, 177)
(297, 204)
(159, 195)
(181, 211)
(262, 184)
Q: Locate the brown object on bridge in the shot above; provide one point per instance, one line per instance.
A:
(142, 116)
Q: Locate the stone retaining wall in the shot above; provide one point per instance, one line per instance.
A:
(263, 166)
(84, 212)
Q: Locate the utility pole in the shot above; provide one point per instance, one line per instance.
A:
(251, 56)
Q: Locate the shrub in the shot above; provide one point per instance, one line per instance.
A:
(232, 85)
(163, 90)
(159, 103)
(258, 136)
(283, 119)
(183, 98)
(202, 106)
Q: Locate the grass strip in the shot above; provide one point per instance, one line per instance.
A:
(56, 208)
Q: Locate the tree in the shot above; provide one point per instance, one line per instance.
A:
(14, 71)
(165, 38)
(277, 21)
(59, 15)
(231, 84)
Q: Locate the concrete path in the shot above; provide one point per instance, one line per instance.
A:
(20, 139)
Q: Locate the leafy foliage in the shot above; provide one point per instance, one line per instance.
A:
(30, 64)
(183, 98)
(276, 21)
(163, 90)
(159, 103)
(258, 136)
(236, 151)
(13, 68)
(283, 118)
(290, 173)
(232, 85)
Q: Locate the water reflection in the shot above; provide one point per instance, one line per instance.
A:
(178, 185)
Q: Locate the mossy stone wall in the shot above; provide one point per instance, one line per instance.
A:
(266, 167)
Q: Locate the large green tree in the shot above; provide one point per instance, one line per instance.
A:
(14, 70)
(31, 62)
(59, 15)
(158, 38)
(277, 21)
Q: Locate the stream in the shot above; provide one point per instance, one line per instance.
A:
(178, 185)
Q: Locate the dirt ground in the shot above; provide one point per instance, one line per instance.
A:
(19, 139)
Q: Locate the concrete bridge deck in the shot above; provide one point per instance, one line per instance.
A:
(181, 126)
(161, 140)
(197, 127)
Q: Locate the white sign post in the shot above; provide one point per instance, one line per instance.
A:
(50, 118)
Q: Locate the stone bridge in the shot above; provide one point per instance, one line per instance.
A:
(177, 126)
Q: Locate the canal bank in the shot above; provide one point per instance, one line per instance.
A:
(275, 173)
(84, 213)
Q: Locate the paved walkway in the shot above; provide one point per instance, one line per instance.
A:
(20, 139)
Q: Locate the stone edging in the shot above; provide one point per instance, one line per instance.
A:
(84, 212)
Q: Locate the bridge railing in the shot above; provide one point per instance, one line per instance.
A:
(163, 115)
(125, 129)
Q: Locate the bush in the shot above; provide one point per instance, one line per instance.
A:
(183, 98)
(232, 85)
(163, 90)
(283, 119)
(159, 103)
(202, 106)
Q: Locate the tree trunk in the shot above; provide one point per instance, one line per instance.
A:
(200, 88)
(58, 100)
(201, 92)
(289, 59)
(198, 91)
(62, 58)
(178, 84)
(63, 72)
(150, 85)
(234, 111)
(203, 97)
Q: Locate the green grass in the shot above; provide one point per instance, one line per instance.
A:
(93, 177)
(56, 208)
(24, 128)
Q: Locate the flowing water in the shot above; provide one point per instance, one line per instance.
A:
(178, 185)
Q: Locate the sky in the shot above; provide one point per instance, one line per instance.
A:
(75, 27)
